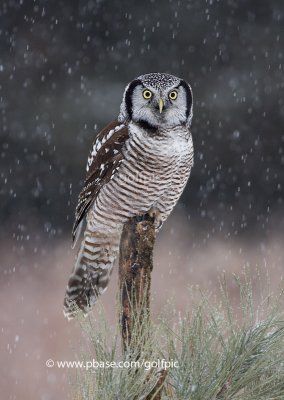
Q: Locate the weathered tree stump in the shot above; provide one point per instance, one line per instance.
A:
(135, 267)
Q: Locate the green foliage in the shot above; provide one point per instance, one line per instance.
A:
(105, 345)
(222, 352)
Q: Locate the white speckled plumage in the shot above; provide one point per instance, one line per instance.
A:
(141, 161)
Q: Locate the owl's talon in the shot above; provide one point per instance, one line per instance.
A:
(156, 215)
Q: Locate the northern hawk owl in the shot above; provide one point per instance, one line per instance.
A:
(140, 161)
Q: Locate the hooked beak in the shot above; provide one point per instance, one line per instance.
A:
(161, 105)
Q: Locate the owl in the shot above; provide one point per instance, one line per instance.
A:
(139, 162)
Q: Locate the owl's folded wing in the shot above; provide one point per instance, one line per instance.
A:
(103, 161)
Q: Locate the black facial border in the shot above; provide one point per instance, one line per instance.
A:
(128, 96)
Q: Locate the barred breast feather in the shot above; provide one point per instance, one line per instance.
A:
(129, 171)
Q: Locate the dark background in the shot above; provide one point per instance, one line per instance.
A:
(64, 66)
(63, 69)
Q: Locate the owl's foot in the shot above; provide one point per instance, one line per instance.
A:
(155, 215)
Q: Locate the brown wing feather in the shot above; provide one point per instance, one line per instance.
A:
(104, 159)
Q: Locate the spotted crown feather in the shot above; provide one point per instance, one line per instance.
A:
(159, 80)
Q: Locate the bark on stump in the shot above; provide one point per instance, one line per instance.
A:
(135, 267)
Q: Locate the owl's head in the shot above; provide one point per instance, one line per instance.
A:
(157, 100)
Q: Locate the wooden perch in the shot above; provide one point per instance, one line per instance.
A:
(135, 267)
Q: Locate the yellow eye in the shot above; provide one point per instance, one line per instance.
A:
(147, 94)
(173, 95)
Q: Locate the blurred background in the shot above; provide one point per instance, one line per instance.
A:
(63, 69)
